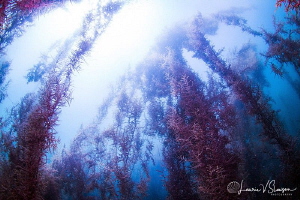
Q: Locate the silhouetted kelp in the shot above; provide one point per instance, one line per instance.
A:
(209, 133)
(251, 95)
(283, 45)
(205, 142)
(111, 157)
(199, 119)
(16, 15)
(290, 5)
(4, 69)
(28, 134)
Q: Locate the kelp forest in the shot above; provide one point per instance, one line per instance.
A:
(164, 130)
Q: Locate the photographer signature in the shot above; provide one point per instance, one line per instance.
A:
(269, 187)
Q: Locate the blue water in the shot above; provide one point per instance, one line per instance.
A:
(129, 103)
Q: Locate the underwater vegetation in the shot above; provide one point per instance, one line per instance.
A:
(163, 132)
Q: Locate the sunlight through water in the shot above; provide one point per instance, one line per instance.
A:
(149, 99)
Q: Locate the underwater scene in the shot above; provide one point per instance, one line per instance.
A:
(149, 99)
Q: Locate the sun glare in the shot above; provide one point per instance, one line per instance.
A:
(133, 27)
(63, 21)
